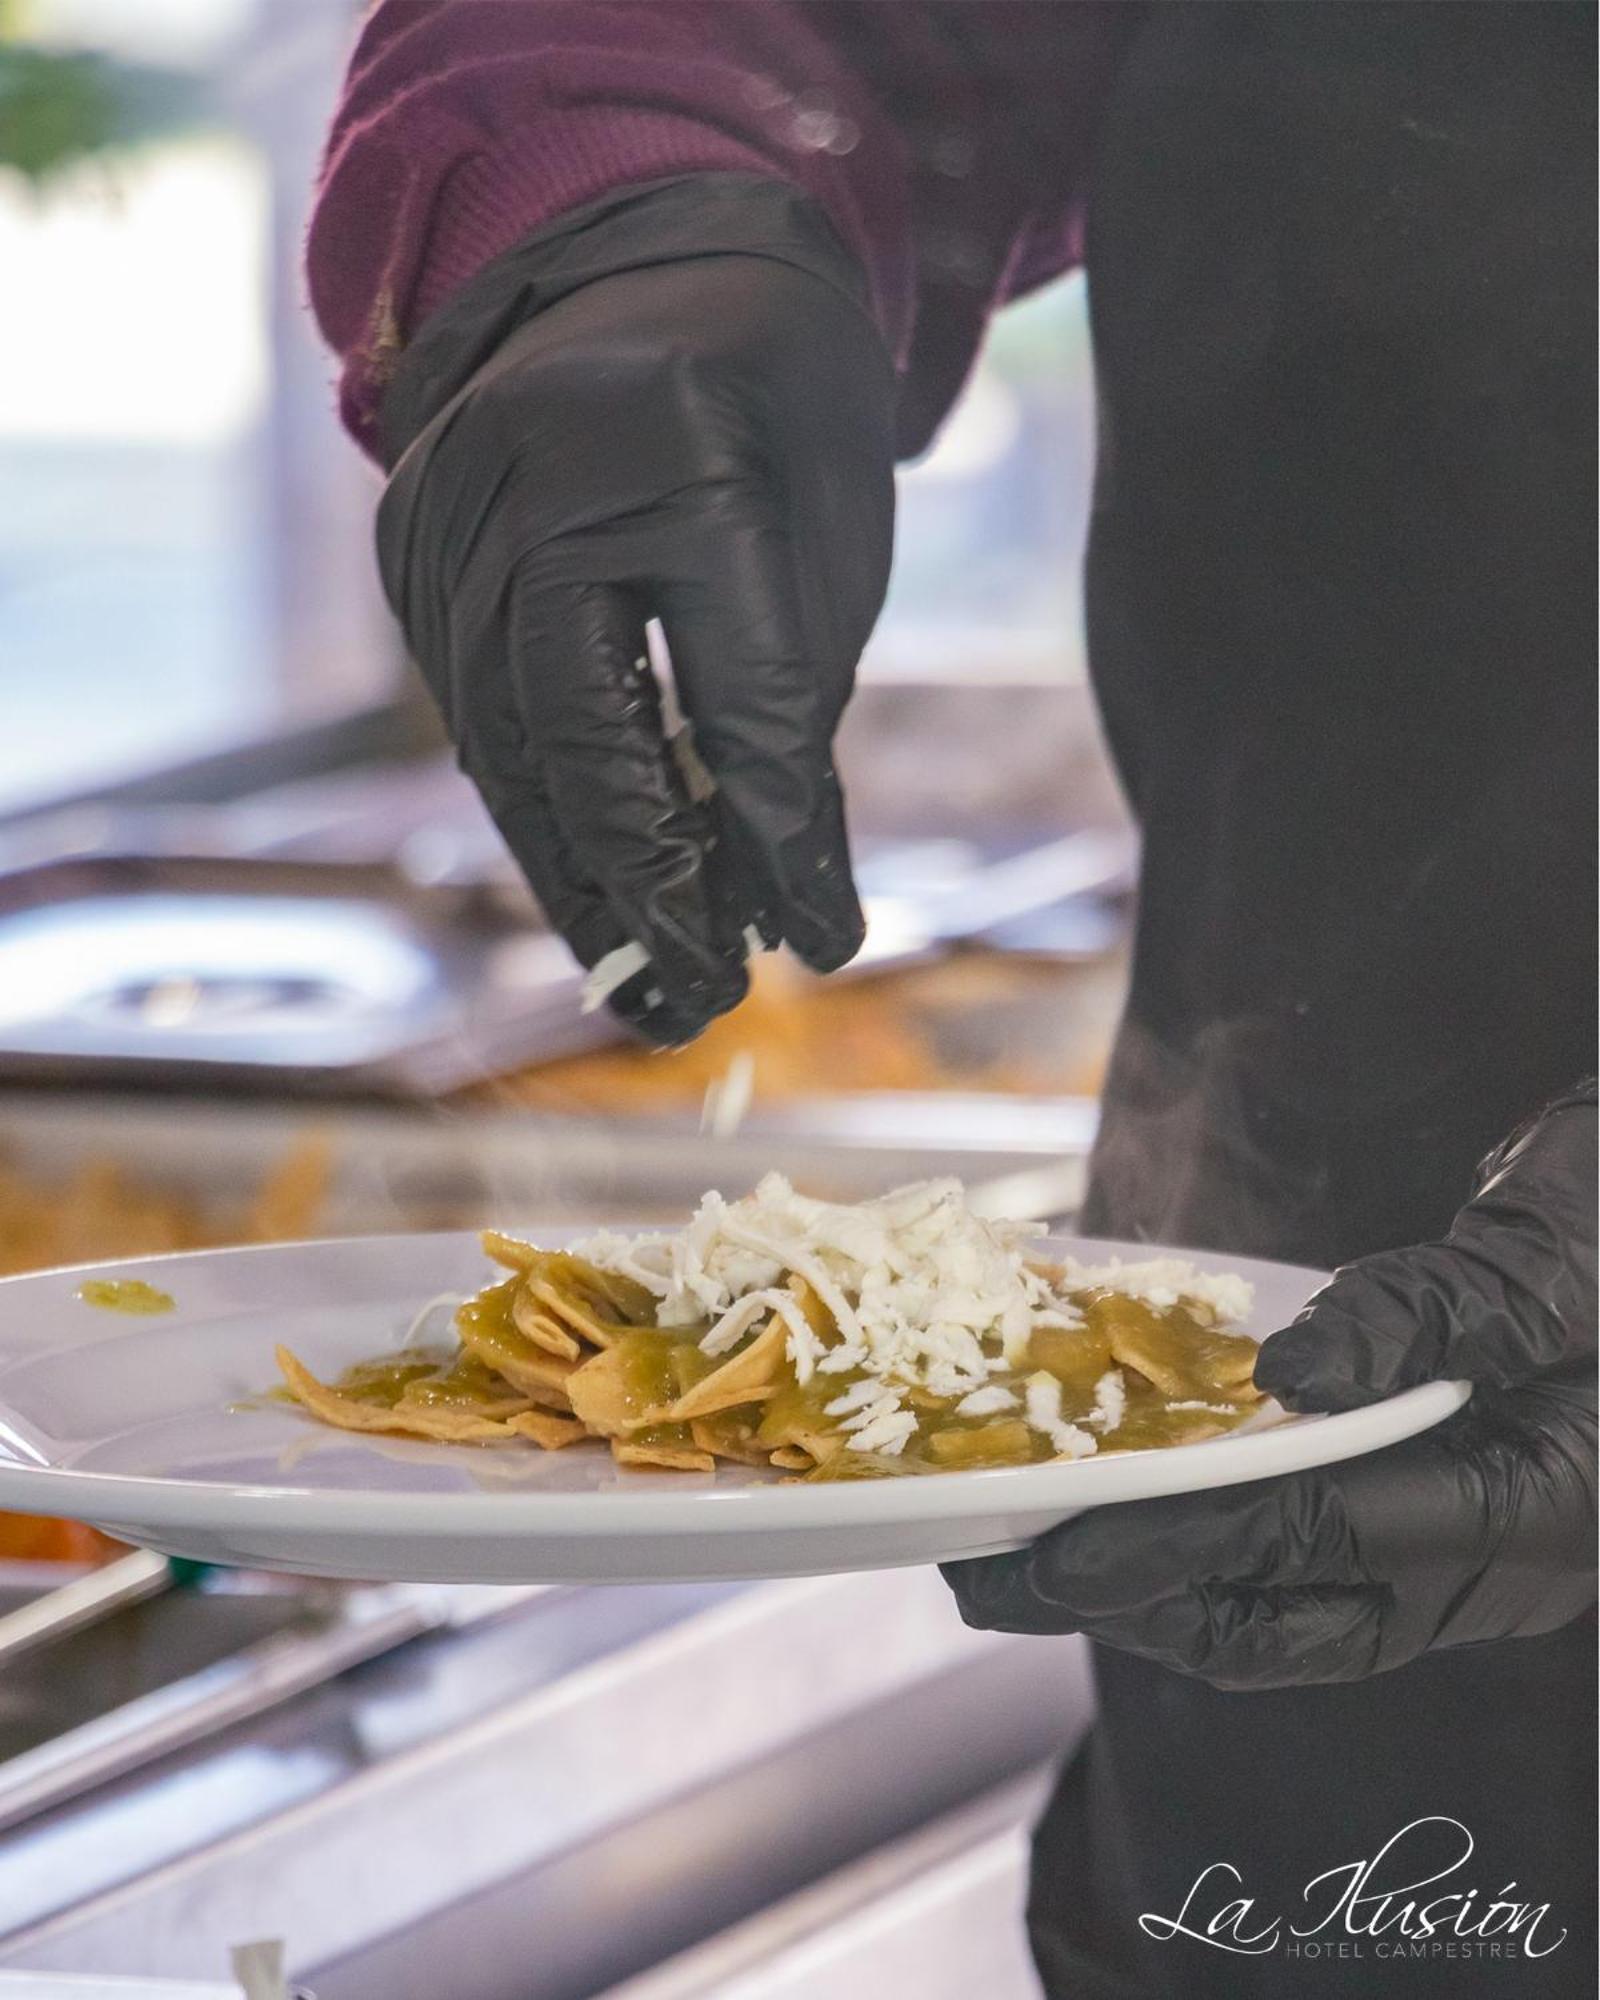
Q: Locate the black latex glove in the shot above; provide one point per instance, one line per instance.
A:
(1480, 1529)
(654, 432)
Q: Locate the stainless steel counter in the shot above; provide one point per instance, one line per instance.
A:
(554, 1792)
(431, 1168)
(938, 1914)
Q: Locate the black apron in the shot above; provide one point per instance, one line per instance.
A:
(1340, 584)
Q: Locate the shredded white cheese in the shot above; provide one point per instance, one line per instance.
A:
(608, 973)
(619, 965)
(922, 1292)
(1110, 1401)
(1162, 1281)
(887, 1434)
(728, 1097)
(881, 1406)
(856, 1397)
(915, 1282)
(986, 1402)
(1043, 1406)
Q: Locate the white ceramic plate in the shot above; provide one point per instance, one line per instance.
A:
(126, 1422)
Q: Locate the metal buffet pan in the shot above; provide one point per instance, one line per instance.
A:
(259, 973)
(225, 970)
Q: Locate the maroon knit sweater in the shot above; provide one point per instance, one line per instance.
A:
(946, 139)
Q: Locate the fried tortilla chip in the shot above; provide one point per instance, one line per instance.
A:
(1001, 1441)
(671, 1457)
(789, 1458)
(625, 1299)
(817, 1316)
(638, 1382)
(488, 1330)
(548, 1432)
(729, 1436)
(1183, 1359)
(794, 1419)
(574, 1314)
(852, 1465)
(350, 1413)
(607, 1293)
(509, 1251)
(465, 1385)
(384, 1378)
(604, 1393)
(1230, 1361)
(747, 1376)
(541, 1327)
(1150, 1422)
(820, 1445)
(1077, 1356)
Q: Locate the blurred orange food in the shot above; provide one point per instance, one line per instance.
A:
(99, 1211)
(974, 1021)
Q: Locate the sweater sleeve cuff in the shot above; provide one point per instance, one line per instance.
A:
(489, 201)
(450, 227)
(670, 220)
(493, 200)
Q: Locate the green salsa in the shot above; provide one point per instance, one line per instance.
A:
(125, 1295)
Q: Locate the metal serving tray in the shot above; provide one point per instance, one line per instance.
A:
(247, 972)
(213, 969)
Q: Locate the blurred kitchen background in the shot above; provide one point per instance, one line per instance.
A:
(265, 973)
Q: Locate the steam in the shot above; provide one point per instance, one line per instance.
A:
(1194, 1149)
